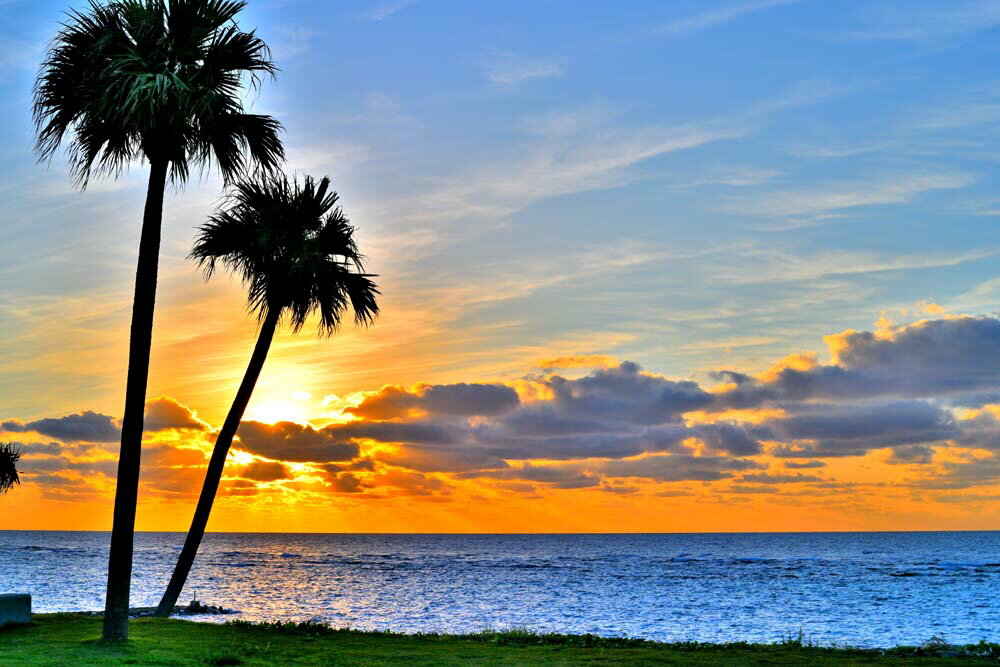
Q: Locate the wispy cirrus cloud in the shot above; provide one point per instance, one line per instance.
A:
(384, 10)
(716, 17)
(928, 21)
(511, 69)
(807, 207)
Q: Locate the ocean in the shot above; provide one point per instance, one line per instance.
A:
(858, 589)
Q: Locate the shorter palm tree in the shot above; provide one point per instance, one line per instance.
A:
(294, 249)
(9, 456)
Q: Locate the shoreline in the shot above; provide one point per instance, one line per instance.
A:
(513, 635)
(73, 639)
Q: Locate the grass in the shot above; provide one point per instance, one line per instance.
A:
(71, 639)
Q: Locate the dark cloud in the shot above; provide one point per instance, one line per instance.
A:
(738, 488)
(933, 358)
(962, 475)
(678, 468)
(930, 357)
(86, 426)
(43, 448)
(389, 403)
(266, 471)
(166, 413)
(460, 400)
(403, 482)
(443, 459)
(804, 464)
(626, 394)
(911, 454)
(421, 431)
(768, 478)
(288, 441)
(346, 483)
(728, 439)
(61, 464)
(619, 488)
(360, 464)
(563, 476)
(823, 431)
(468, 399)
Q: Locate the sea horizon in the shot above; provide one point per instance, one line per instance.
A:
(707, 532)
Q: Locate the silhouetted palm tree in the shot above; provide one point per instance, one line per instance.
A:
(158, 81)
(295, 251)
(9, 456)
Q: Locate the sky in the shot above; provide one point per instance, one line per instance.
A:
(646, 266)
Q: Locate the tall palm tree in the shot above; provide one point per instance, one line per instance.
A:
(9, 456)
(294, 249)
(156, 81)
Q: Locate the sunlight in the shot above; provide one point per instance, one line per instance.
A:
(272, 411)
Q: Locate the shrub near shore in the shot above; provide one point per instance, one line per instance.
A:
(72, 639)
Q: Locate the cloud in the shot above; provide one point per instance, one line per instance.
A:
(909, 454)
(402, 482)
(927, 359)
(86, 426)
(852, 430)
(628, 394)
(265, 471)
(929, 22)
(678, 468)
(166, 413)
(716, 17)
(384, 10)
(346, 483)
(768, 478)
(288, 441)
(798, 465)
(455, 399)
(579, 361)
(512, 69)
(961, 475)
(808, 207)
(905, 390)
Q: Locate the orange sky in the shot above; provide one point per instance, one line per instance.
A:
(571, 443)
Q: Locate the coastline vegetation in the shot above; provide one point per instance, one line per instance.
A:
(73, 639)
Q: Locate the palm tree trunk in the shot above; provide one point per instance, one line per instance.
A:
(140, 340)
(216, 464)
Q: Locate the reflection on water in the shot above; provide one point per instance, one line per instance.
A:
(866, 589)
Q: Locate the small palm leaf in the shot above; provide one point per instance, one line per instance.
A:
(9, 456)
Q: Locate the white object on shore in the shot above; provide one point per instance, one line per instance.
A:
(15, 608)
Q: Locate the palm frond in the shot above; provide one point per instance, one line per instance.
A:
(10, 454)
(126, 80)
(293, 248)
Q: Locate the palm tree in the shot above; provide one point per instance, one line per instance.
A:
(9, 456)
(157, 81)
(295, 251)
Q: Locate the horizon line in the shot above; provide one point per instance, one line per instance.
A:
(488, 534)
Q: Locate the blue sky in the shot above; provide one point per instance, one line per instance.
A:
(686, 184)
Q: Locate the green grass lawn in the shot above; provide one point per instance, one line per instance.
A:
(71, 639)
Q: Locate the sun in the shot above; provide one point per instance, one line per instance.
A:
(273, 410)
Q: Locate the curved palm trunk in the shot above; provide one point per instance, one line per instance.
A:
(216, 464)
(140, 339)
